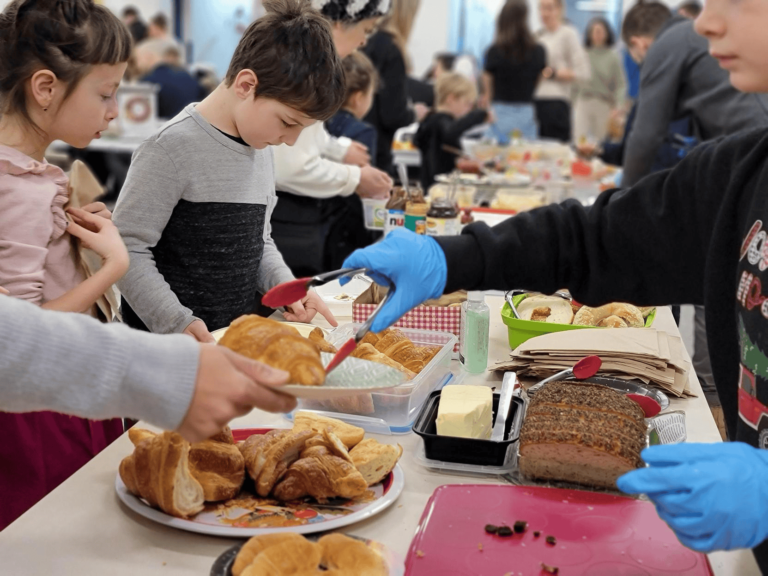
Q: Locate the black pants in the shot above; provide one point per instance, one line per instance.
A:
(554, 117)
(315, 235)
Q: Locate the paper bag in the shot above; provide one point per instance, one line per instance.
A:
(84, 188)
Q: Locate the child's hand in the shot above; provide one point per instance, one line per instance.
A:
(199, 331)
(4, 291)
(357, 155)
(374, 183)
(306, 309)
(101, 236)
(98, 209)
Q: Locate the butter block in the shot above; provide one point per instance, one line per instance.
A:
(465, 412)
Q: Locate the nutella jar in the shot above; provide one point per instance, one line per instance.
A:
(395, 210)
(443, 218)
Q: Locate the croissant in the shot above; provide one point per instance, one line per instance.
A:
(318, 337)
(350, 435)
(368, 352)
(258, 544)
(218, 465)
(320, 474)
(296, 558)
(375, 460)
(399, 348)
(277, 345)
(356, 404)
(269, 456)
(351, 556)
(158, 471)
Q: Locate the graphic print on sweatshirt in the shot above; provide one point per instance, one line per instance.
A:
(753, 334)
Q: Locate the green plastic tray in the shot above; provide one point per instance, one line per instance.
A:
(523, 330)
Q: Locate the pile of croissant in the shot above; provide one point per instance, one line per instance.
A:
(289, 554)
(320, 457)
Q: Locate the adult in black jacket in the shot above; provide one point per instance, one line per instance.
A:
(386, 49)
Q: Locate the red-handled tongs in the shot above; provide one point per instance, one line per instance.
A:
(287, 293)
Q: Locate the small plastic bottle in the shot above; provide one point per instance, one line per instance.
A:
(475, 327)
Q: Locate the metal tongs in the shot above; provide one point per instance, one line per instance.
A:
(287, 293)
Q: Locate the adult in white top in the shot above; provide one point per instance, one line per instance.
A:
(567, 63)
(316, 174)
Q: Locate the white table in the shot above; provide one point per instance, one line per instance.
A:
(81, 528)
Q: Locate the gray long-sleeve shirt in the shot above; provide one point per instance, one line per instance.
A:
(74, 364)
(194, 214)
(679, 78)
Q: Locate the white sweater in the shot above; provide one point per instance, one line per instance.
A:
(313, 166)
(564, 50)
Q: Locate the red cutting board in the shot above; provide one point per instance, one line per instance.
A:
(597, 535)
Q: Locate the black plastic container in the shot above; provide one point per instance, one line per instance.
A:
(467, 450)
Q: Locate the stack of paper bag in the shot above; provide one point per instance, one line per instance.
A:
(652, 356)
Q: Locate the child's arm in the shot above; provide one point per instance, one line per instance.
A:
(100, 235)
(301, 169)
(453, 131)
(152, 189)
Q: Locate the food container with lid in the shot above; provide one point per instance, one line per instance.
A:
(375, 213)
(472, 451)
(520, 331)
(393, 410)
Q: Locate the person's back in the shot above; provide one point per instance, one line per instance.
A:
(678, 79)
(177, 89)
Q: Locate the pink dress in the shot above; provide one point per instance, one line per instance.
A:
(39, 450)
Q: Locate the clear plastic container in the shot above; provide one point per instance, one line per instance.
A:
(375, 211)
(394, 409)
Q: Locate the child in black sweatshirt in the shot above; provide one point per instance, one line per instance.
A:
(696, 234)
(455, 96)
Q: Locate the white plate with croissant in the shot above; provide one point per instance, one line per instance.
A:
(283, 345)
(320, 475)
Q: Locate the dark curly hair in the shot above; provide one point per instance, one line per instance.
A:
(291, 51)
(67, 37)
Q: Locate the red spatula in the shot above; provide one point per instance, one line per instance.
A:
(649, 405)
(287, 293)
(583, 369)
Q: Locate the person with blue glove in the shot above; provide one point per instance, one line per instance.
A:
(691, 235)
(714, 496)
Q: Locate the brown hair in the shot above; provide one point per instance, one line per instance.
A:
(66, 37)
(160, 20)
(454, 84)
(360, 73)
(399, 24)
(291, 51)
(644, 19)
(513, 37)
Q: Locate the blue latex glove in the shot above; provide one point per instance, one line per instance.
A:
(714, 496)
(414, 263)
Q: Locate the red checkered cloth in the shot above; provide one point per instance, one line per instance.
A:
(433, 318)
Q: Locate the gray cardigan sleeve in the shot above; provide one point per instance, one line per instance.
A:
(660, 79)
(74, 364)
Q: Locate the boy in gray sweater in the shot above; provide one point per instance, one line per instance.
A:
(194, 212)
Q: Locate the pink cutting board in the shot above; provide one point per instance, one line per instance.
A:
(597, 535)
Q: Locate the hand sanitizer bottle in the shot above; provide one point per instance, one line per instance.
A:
(475, 326)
